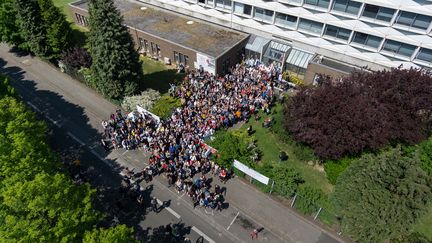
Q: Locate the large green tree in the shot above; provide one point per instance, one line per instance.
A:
(49, 208)
(32, 27)
(58, 30)
(10, 31)
(116, 67)
(37, 202)
(381, 196)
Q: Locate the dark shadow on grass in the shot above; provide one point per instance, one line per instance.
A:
(161, 80)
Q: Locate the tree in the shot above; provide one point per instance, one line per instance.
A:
(118, 234)
(10, 31)
(381, 196)
(77, 58)
(47, 208)
(58, 30)
(365, 111)
(32, 27)
(116, 66)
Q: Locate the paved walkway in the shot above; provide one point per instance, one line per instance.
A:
(248, 207)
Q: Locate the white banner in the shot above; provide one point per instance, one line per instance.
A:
(250, 172)
(208, 63)
(144, 111)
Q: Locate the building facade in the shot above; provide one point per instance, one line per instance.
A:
(373, 33)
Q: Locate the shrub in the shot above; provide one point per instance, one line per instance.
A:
(77, 58)
(309, 199)
(365, 111)
(334, 168)
(286, 180)
(296, 80)
(146, 100)
(165, 105)
(426, 156)
(234, 145)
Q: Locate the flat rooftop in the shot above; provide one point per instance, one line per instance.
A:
(199, 36)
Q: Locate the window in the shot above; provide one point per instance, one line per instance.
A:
(181, 58)
(243, 9)
(264, 15)
(158, 51)
(223, 4)
(397, 47)
(201, 1)
(367, 40)
(414, 20)
(319, 3)
(347, 6)
(146, 47)
(336, 32)
(285, 20)
(425, 55)
(176, 57)
(82, 20)
(310, 26)
(153, 48)
(141, 44)
(380, 13)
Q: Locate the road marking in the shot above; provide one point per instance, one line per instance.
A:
(100, 157)
(53, 121)
(169, 209)
(33, 106)
(125, 152)
(229, 226)
(202, 234)
(75, 138)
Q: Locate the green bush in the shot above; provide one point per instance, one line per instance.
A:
(165, 105)
(234, 145)
(334, 168)
(287, 180)
(309, 199)
(426, 156)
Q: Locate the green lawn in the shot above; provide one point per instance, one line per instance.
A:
(158, 76)
(270, 144)
(63, 4)
(424, 225)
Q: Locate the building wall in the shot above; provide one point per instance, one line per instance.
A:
(315, 68)
(167, 48)
(231, 57)
(78, 15)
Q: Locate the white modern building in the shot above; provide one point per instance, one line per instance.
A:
(373, 33)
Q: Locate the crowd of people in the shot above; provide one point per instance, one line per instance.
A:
(176, 144)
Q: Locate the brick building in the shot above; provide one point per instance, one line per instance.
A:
(173, 38)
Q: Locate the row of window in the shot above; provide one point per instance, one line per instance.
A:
(407, 19)
(153, 48)
(81, 19)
